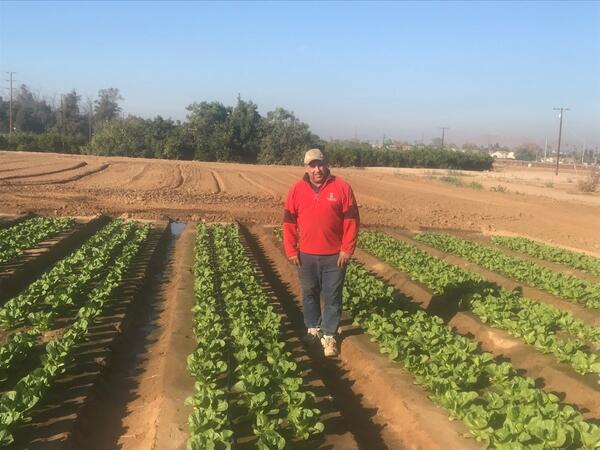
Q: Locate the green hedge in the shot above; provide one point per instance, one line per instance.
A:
(51, 141)
(139, 137)
(362, 155)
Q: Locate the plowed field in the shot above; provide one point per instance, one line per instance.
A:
(534, 203)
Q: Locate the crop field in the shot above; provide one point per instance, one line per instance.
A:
(149, 305)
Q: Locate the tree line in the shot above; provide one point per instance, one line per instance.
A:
(212, 131)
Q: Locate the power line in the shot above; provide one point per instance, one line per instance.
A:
(562, 109)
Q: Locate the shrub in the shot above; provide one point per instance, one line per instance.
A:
(590, 184)
(452, 180)
(50, 141)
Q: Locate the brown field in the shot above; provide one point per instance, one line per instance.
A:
(535, 202)
(127, 387)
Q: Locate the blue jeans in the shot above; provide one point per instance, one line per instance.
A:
(319, 274)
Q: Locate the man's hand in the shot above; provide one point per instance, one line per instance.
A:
(295, 260)
(343, 259)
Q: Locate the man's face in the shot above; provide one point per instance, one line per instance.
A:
(316, 171)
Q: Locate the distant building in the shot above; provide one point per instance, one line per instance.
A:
(502, 154)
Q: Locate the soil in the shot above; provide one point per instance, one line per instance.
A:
(411, 199)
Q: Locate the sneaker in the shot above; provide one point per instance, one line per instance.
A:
(312, 336)
(329, 346)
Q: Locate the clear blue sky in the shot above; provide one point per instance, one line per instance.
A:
(489, 71)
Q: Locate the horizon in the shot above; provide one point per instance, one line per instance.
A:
(491, 72)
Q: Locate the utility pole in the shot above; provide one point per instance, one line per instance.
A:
(559, 134)
(443, 130)
(90, 107)
(10, 104)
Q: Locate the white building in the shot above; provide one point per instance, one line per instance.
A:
(501, 154)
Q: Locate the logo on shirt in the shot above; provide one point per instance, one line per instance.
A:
(331, 197)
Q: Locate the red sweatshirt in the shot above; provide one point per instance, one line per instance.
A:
(328, 221)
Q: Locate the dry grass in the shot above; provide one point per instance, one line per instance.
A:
(590, 184)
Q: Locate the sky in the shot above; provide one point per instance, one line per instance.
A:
(490, 72)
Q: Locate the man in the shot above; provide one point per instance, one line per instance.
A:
(321, 210)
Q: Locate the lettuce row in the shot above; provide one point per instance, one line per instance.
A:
(209, 422)
(28, 234)
(535, 323)
(565, 286)
(55, 291)
(570, 258)
(499, 407)
(31, 389)
(56, 286)
(265, 380)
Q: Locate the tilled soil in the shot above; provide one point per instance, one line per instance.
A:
(402, 198)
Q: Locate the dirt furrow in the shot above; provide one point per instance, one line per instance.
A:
(138, 175)
(258, 185)
(220, 184)
(50, 172)
(178, 178)
(100, 168)
(27, 166)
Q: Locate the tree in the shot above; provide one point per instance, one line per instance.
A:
(31, 114)
(157, 134)
(528, 152)
(88, 114)
(69, 119)
(207, 127)
(525, 154)
(436, 142)
(4, 111)
(137, 137)
(106, 106)
(285, 138)
(244, 128)
(119, 137)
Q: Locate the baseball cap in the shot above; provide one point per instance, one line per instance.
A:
(312, 154)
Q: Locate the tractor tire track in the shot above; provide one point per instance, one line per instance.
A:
(64, 180)
(50, 172)
(220, 184)
(138, 175)
(178, 178)
(258, 185)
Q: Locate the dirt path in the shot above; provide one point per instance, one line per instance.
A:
(157, 417)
